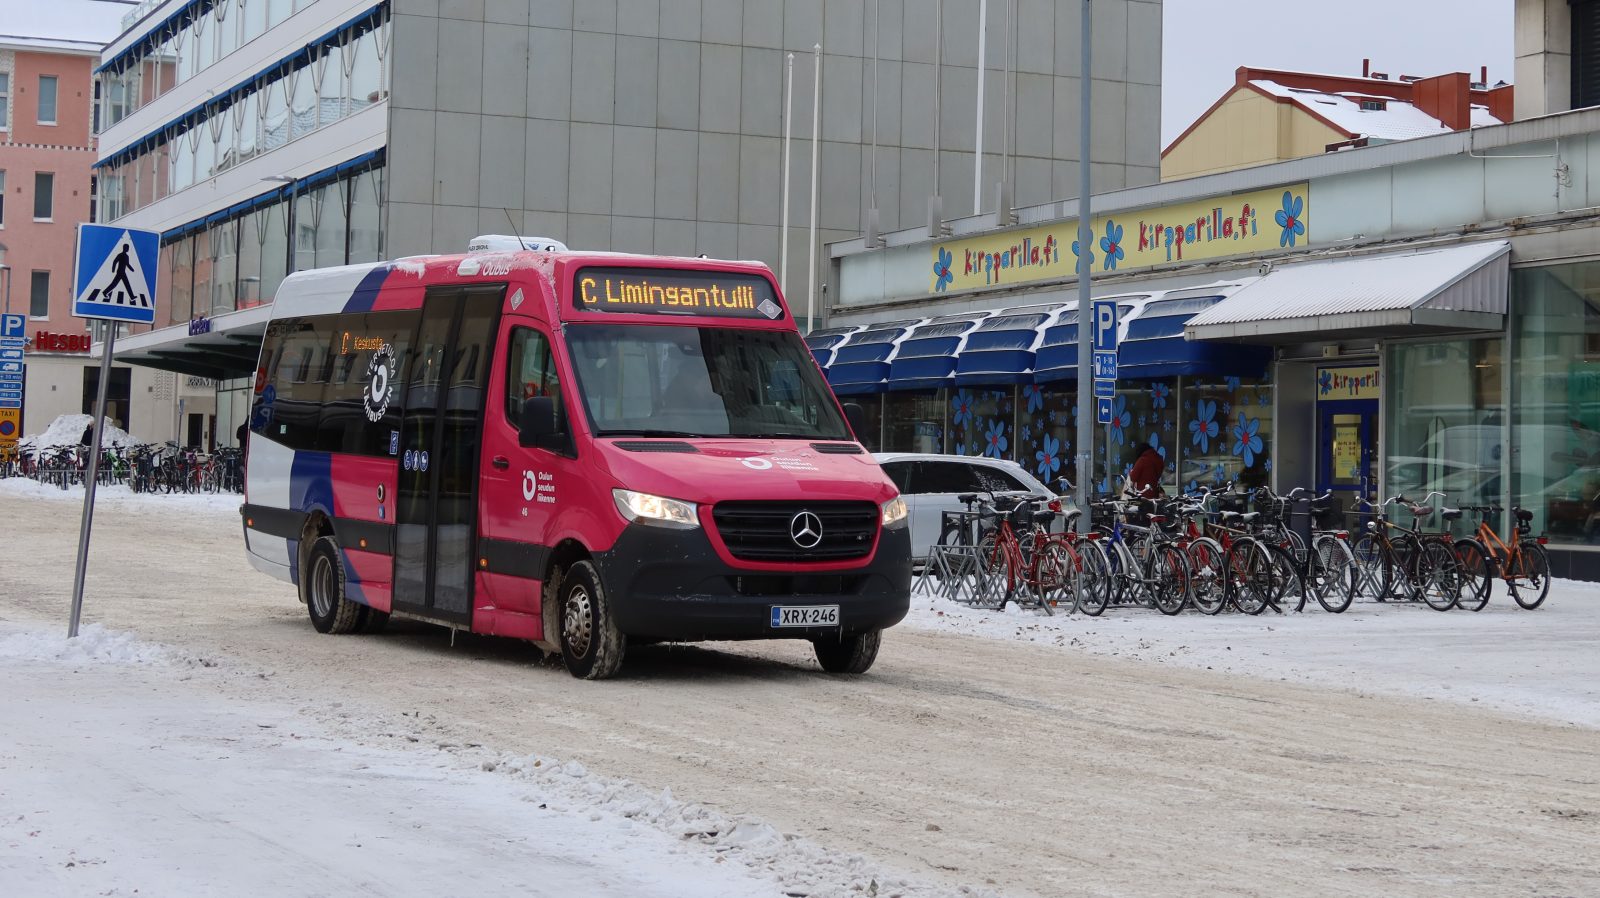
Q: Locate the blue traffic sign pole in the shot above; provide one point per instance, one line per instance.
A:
(116, 281)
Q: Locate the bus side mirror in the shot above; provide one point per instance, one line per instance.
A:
(857, 418)
(537, 423)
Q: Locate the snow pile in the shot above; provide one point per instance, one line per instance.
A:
(67, 430)
(799, 866)
(123, 496)
(95, 644)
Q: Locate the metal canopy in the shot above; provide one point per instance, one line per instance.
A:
(1397, 293)
(230, 349)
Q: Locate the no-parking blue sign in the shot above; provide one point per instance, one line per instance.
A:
(116, 274)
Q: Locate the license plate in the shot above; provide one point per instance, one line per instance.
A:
(805, 615)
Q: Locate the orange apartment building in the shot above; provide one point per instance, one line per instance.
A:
(48, 52)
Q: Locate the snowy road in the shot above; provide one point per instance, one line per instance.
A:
(995, 764)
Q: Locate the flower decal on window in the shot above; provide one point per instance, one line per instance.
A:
(941, 270)
(1289, 218)
(1232, 382)
(1034, 397)
(1158, 394)
(1121, 420)
(1204, 427)
(961, 409)
(1247, 439)
(1111, 245)
(1048, 457)
(1155, 443)
(994, 441)
(1325, 383)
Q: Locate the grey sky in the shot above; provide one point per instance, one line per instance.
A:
(1203, 41)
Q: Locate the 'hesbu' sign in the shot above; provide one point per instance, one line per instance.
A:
(44, 341)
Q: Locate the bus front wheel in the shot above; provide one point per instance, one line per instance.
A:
(850, 653)
(591, 645)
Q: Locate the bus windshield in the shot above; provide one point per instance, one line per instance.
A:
(646, 380)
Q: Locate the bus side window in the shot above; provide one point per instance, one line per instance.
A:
(531, 372)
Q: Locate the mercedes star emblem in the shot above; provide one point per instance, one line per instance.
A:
(805, 529)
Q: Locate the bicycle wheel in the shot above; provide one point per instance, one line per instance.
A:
(1248, 578)
(1206, 569)
(1333, 573)
(1374, 568)
(1477, 574)
(1533, 567)
(1052, 580)
(1167, 574)
(1285, 573)
(1438, 580)
(1093, 589)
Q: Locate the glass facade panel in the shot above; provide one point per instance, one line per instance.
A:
(1225, 431)
(366, 217)
(331, 226)
(204, 263)
(915, 421)
(274, 237)
(1446, 423)
(225, 273)
(981, 422)
(1555, 465)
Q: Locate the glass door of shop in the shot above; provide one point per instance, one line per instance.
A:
(1347, 457)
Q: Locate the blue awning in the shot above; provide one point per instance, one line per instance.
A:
(1153, 345)
(927, 356)
(822, 343)
(861, 362)
(1003, 349)
(1057, 357)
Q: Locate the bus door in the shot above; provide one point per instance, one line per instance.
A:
(440, 437)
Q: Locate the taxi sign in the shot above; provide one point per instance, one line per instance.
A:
(116, 274)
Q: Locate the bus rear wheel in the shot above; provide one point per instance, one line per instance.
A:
(330, 610)
(848, 653)
(591, 645)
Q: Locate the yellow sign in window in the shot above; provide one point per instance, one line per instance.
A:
(1346, 450)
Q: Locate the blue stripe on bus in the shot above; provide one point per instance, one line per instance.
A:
(311, 482)
(367, 291)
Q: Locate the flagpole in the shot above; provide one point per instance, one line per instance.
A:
(977, 130)
(816, 133)
(788, 129)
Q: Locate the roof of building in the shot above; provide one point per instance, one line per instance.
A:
(70, 26)
(1375, 108)
(1396, 120)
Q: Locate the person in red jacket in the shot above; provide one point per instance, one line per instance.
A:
(1144, 480)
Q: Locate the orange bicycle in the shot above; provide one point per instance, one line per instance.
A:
(1522, 563)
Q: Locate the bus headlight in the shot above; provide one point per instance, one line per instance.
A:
(894, 512)
(655, 509)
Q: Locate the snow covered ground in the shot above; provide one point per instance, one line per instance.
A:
(124, 497)
(1544, 662)
(121, 775)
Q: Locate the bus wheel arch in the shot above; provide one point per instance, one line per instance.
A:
(576, 612)
(317, 526)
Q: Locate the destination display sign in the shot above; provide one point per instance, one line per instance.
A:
(670, 291)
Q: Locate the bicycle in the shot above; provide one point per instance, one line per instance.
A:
(1425, 563)
(1486, 557)
(1035, 566)
(1153, 569)
(1328, 571)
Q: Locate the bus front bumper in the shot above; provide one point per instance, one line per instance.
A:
(672, 585)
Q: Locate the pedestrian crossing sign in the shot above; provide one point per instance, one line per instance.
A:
(116, 274)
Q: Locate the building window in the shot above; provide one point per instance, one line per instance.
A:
(39, 295)
(44, 196)
(1585, 53)
(2, 198)
(47, 99)
(1445, 428)
(5, 99)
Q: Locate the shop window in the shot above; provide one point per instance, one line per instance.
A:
(1555, 461)
(1047, 430)
(1446, 423)
(1224, 431)
(915, 421)
(981, 422)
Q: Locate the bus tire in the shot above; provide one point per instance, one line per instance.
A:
(330, 610)
(591, 645)
(372, 621)
(848, 653)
